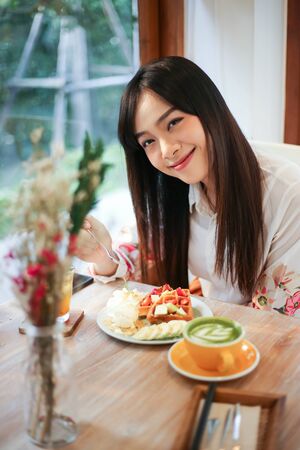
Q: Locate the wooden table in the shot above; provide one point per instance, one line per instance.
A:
(128, 396)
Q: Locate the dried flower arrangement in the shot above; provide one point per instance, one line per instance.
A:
(48, 218)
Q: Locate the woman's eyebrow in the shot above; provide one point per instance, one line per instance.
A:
(165, 114)
(160, 119)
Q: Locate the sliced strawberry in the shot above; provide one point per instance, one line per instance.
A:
(146, 302)
(166, 287)
(156, 291)
(183, 301)
(173, 301)
(181, 292)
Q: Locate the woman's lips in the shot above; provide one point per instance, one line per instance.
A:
(182, 163)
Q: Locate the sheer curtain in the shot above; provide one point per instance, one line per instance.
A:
(241, 45)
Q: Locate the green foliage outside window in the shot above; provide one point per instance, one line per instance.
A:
(33, 108)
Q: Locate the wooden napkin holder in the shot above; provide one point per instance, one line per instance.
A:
(269, 425)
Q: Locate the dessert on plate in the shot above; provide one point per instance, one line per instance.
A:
(151, 298)
(171, 304)
(160, 314)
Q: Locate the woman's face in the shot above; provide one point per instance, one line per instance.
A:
(174, 141)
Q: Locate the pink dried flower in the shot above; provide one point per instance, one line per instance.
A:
(35, 270)
(35, 301)
(21, 283)
(41, 226)
(57, 237)
(40, 292)
(72, 244)
(49, 256)
(9, 255)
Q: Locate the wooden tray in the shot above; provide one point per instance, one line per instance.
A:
(271, 412)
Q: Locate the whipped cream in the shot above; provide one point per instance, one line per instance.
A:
(122, 308)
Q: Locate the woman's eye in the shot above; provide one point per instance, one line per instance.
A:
(174, 122)
(146, 143)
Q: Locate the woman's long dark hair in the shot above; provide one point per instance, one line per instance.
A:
(161, 202)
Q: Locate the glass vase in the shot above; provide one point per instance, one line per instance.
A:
(49, 389)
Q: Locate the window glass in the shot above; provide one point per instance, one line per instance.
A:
(63, 67)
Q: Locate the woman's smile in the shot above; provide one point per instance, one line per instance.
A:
(183, 162)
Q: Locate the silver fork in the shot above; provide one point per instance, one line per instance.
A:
(212, 425)
(110, 256)
(226, 426)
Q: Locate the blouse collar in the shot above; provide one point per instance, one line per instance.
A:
(198, 200)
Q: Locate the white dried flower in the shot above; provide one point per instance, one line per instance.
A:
(57, 149)
(94, 181)
(81, 195)
(94, 166)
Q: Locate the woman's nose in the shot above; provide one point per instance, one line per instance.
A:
(169, 148)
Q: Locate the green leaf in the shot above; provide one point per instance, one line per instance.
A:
(90, 177)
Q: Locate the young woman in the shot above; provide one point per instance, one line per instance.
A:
(203, 200)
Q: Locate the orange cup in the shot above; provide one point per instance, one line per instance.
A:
(216, 344)
(67, 290)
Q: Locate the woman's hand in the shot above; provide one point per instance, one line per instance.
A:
(88, 249)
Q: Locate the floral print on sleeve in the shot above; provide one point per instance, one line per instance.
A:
(278, 291)
(130, 252)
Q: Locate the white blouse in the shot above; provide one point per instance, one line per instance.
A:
(278, 286)
(279, 283)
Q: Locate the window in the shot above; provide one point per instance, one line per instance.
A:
(63, 69)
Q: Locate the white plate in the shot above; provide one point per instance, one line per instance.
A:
(199, 308)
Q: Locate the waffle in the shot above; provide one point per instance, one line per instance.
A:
(151, 298)
(177, 306)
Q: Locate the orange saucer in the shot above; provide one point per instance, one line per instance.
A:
(180, 360)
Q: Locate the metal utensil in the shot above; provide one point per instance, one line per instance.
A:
(236, 425)
(212, 425)
(110, 256)
(226, 426)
